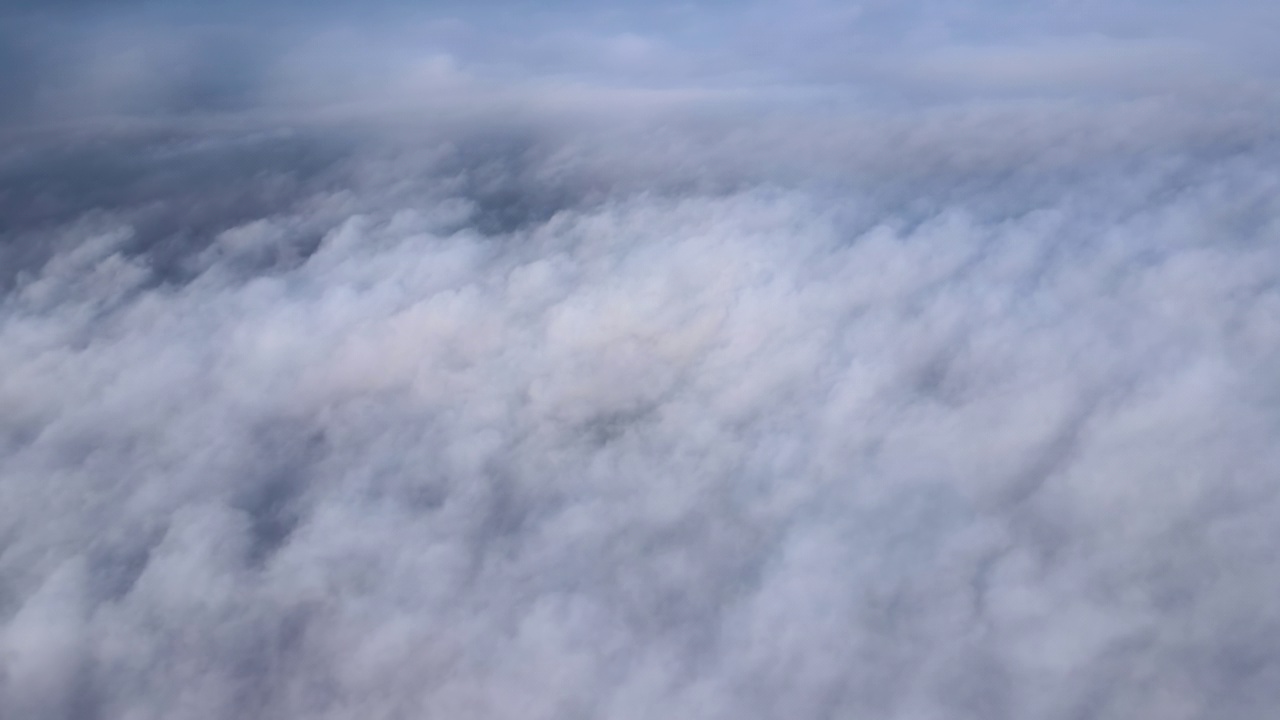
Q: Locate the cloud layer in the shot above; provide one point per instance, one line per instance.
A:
(512, 385)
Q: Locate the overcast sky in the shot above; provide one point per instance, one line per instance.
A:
(583, 360)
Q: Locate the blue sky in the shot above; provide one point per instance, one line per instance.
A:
(64, 59)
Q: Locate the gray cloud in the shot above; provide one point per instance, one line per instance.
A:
(675, 387)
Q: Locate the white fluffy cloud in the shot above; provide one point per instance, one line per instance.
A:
(579, 399)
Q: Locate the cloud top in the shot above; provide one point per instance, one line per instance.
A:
(615, 372)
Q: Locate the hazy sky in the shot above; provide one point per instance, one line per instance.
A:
(573, 360)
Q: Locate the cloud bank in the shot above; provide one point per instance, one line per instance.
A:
(567, 362)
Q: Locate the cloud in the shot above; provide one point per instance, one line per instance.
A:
(679, 386)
